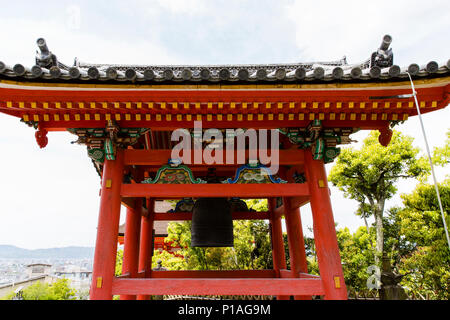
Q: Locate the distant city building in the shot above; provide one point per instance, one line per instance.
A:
(79, 280)
(38, 269)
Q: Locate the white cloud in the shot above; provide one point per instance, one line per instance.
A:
(183, 6)
(67, 44)
(327, 30)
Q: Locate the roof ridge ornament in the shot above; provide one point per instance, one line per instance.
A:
(45, 58)
(383, 57)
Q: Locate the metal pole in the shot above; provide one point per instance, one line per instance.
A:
(414, 93)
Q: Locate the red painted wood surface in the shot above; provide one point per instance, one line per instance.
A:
(278, 253)
(324, 230)
(213, 274)
(128, 99)
(243, 191)
(202, 286)
(146, 244)
(108, 226)
(62, 125)
(226, 274)
(131, 243)
(296, 242)
(160, 157)
(187, 216)
(129, 203)
(284, 273)
(224, 95)
(297, 202)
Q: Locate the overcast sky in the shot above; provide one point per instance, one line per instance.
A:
(49, 197)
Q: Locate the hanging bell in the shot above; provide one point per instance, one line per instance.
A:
(238, 205)
(212, 223)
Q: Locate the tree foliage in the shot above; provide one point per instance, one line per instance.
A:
(414, 240)
(369, 175)
(441, 155)
(411, 235)
(119, 262)
(428, 264)
(58, 290)
(356, 252)
(252, 247)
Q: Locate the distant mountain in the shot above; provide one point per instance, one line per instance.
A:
(13, 252)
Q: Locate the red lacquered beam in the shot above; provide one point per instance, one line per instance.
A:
(186, 216)
(161, 157)
(213, 274)
(202, 286)
(284, 273)
(173, 191)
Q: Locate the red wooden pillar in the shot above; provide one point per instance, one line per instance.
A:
(107, 230)
(324, 230)
(131, 243)
(297, 252)
(146, 247)
(278, 254)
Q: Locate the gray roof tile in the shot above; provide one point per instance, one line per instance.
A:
(373, 69)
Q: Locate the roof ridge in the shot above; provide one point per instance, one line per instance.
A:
(379, 66)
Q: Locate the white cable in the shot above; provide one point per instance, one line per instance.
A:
(414, 94)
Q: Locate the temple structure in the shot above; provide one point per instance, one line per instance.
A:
(126, 115)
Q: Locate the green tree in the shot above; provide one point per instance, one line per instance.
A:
(61, 290)
(170, 261)
(427, 266)
(396, 244)
(37, 291)
(252, 247)
(58, 290)
(369, 175)
(119, 262)
(356, 256)
(441, 155)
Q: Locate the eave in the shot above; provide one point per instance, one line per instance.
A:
(57, 106)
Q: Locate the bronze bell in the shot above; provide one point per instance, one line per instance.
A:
(212, 223)
(238, 205)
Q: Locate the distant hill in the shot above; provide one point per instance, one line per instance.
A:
(13, 252)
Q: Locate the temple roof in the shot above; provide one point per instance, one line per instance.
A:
(378, 67)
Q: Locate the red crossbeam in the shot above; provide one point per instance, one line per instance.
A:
(186, 216)
(173, 191)
(202, 286)
(161, 157)
(268, 273)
